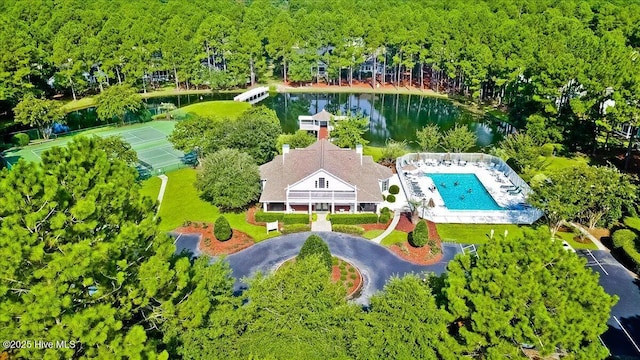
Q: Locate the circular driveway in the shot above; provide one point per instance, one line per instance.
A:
(376, 263)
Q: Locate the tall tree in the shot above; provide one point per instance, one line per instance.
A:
(429, 137)
(40, 113)
(230, 179)
(348, 133)
(404, 322)
(458, 139)
(83, 261)
(527, 291)
(116, 101)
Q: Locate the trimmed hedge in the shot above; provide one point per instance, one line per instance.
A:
(262, 216)
(420, 235)
(394, 189)
(221, 229)
(384, 218)
(632, 223)
(20, 139)
(622, 237)
(295, 228)
(287, 219)
(348, 229)
(290, 219)
(352, 219)
(391, 198)
(631, 252)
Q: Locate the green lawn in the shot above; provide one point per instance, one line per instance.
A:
(374, 151)
(568, 237)
(393, 238)
(217, 109)
(560, 162)
(182, 202)
(474, 233)
(151, 187)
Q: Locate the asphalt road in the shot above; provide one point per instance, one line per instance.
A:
(623, 336)
(375, 262)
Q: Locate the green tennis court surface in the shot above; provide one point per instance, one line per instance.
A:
(149, 140)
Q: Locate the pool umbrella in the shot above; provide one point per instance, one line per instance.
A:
(431, 203)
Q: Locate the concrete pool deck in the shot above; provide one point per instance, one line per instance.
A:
(498, 179)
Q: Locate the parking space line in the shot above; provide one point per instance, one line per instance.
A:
(627, 333)
(597, 262)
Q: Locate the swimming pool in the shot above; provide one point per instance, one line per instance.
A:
(463, 192)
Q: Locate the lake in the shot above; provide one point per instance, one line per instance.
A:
(392, 116)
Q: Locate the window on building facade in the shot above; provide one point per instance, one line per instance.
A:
(321, 183)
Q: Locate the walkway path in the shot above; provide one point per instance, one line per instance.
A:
(321, 224)
(163, 187)
(376, 263)
(589, 236)
(389, 229)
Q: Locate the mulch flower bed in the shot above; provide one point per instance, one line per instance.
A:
(420, 256)
(212, 246)
(405, 223)
(348, 275)
(368, 227)
(251, 216)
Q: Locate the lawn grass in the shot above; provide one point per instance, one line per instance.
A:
(182, 202)
(568, 237)
(79, 104)
(393, 238)
(213, 109)
(374, 151)
(151, 187)
(561, 162)
(475, 233)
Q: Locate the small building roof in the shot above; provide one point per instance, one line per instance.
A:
(323, 115)
(344, 164)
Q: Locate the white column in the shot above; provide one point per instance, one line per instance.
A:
(264, 206)
(333, 207)
(378, 209)
(288, 207)
(310, 208)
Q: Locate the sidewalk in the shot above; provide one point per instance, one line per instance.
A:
(390, 228)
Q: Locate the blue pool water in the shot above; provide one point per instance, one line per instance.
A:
(463, 192)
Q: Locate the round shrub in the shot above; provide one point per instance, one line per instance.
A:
(394, 189)
(622, 237)
(391, 198)
(21, 139)
(314, 245)
(222, 229)
(420, 235)
(547, 149)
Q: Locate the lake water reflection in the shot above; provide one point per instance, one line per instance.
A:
(392, 116)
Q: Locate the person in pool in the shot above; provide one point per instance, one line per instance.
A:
(469, 191)
(461, 197)
(456, 183)
(443, 185)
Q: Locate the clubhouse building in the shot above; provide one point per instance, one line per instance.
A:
(323, 177)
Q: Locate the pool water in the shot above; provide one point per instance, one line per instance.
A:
(463, 192)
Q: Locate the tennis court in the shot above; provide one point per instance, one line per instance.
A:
(149, 140)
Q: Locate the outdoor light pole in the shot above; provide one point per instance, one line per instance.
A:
(424, 200)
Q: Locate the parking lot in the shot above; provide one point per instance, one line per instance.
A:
(623, 336)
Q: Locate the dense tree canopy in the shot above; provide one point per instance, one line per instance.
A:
(349, 132)
(527, 291)
(560, 60)
(116, 101)
(230, 179)
(82, 260)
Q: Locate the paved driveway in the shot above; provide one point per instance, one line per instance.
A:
(623, 336)
(375, 262)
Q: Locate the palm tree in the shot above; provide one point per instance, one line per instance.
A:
(414, 204)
